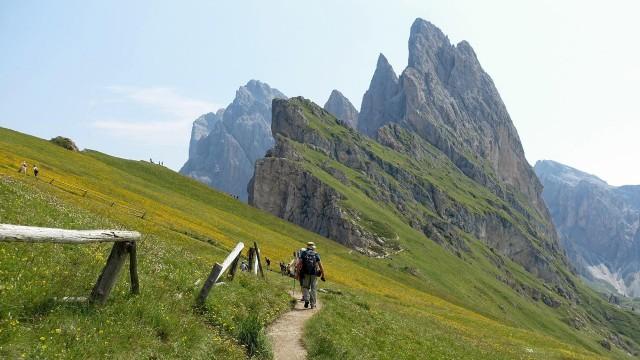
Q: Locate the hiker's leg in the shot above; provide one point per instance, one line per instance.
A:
(305, 287)
(313, 290)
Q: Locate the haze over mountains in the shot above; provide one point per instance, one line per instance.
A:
(225, 145)
(599, 225)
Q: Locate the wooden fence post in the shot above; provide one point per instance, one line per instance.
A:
(234, 267)
(109, 273)
(252, 258)
(255, 245)
(133, 268)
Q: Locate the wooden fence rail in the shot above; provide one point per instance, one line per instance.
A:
(16, 233)
(124, 244)
(218, 270)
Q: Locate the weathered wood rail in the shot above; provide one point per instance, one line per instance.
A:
(231, 262)
(124, 244)
(218, 269)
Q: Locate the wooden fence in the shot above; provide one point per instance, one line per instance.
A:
(231, 263)
(124, 244)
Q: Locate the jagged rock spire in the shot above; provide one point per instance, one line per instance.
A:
(340, 107)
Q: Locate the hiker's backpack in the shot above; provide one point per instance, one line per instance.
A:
(309, 263)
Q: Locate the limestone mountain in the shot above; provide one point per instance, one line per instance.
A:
(446, 97)
(201, 128)
(397, 198)
(599, 225)
(445, 112)
(401, 171)
(383, 102)
(225, 145)
(340, 107)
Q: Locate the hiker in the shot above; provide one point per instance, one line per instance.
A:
(311, 267)
(35, 171)
(23, 168)
(268, 261)
(244, 266)
(297, 271)
(283, 268)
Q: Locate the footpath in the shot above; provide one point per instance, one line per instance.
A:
(286, 333)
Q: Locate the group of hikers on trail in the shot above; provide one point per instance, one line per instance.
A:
(24, 168)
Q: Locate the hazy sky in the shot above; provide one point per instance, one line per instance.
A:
(129, 77)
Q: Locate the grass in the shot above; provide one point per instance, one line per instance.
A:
(161, 319)
(424, 300)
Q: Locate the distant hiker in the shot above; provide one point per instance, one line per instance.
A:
(244, 266)
(35, 171)
(311, 267)
(268, 261)
(23, 168)
(283, 268)
(151, 160)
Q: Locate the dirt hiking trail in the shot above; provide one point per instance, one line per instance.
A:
(286, 333)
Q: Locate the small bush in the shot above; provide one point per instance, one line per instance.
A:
(65, 143)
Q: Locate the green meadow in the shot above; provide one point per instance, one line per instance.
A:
(424, 302)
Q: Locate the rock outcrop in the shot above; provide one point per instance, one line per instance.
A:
(599, 225)
(224, 146)
(446, 97)
(458, 167)
(383, 102)
(411, 176)
(340, 107)
(201, 128)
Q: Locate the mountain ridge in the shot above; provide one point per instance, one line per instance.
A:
(224, 146)
(599, 225)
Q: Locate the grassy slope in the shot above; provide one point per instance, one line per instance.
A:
(450, 310)
(450, 279)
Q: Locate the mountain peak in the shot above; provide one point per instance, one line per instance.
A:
(340, 107)
(380, 103)
(384, 71)
(425, 42)
(259, 91)
(428, 29)
(382, 62)
(225, 145)
(566, 174)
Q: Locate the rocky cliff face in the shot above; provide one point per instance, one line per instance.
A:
(340, 107)
(225, 145)
(446, 97)
(453, 166)
(314, 152)
(201, 128)
(599, 225)
(383, 102)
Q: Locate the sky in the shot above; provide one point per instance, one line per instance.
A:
(129, 77)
